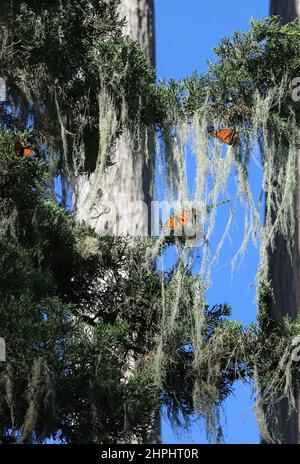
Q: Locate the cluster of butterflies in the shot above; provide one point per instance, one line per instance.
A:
(22, 151)
(176, 221)
(180, 220)
(226, 136)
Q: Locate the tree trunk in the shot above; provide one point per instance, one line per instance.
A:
(124, 206)
(140, 24)
(287, 9)
(284, 272)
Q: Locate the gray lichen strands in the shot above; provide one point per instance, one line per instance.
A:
(279, 160)
(215, 166)
(107, 126)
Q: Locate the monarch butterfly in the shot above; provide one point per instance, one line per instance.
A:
(184, 226)
(226, 135)
(179, 220)
(22, 151)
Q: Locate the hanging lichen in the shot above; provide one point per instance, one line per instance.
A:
(266, 121)
(78, 113)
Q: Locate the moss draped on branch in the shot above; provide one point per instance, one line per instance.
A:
(80, 83)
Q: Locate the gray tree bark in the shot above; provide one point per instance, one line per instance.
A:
(284, 272)
(124, 205)
(287, 9)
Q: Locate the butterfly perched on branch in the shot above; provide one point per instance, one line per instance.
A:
(21, 151)
(226, 135)
(179, 220)
(182, 226)
(184, 217)
(187, 226)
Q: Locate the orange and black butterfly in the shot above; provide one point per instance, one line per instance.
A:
(185, 217)
(177, 221)
(226, 136)
(23, 151)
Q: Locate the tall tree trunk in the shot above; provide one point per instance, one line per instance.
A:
(284, 272)
(124, 206)
(140, 24)
(126, 186)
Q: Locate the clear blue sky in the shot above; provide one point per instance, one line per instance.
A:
(186, 32)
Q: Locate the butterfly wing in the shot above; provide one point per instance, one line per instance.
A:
(177, 221)
(18, 148)
(28, 152)
(21, 151)
(226, 136)
(171, 223)
(183, 217)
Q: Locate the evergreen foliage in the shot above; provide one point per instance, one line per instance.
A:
(75, 307)
(61, 379)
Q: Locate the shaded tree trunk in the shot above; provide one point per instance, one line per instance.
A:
(124, 205)
(126, 186)
(287, 9)
(140, 24)
(284, 272)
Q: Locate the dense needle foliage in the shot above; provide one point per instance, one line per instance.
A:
(76, 309)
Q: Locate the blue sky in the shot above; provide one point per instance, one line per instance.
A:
(186, 32)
